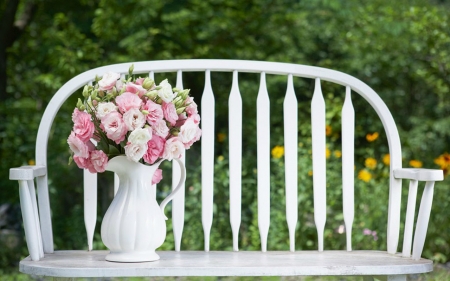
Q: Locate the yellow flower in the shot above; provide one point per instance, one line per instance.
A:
(415, 163)
(221, 137)
(327, 153)
(328, 130)
(278, 151)
(372, 137)
(220, 158)
(443, 161)
(337, 153)
(310, 173)
(364, 175)
(31, 162)
(387, 159)
(370, 163)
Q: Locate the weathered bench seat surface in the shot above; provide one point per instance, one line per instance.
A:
(222, 263)
(45, 261)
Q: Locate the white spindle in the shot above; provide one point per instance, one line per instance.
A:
(319, 160)
(409, 221)
(29, 222)
(207, 142)
(36, 216)
(152, 75)
(348, 162)
(290, 114)
(154, 186)
(178, 200)
(90, 205)
(263, 136)
(235, 150)
(44, 213)
(422, 220)
(116, 183)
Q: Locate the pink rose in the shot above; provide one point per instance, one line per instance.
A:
(99, 160)
(157, 176)
(155, 148)
(160, 128)
(198, 134)
(170, 112)
(181, 119)
(135, 89)
(155, 112)
(192, 106)
(196, 118)
(108, 81)
(78, 146)
(140, 81)
(114, 126)
(173, 148)
(134, 119)
(83, 126)
(127, 101)
(82, 163)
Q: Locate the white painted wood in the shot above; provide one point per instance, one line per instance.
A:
(235, 152)
(36, 216)
(207, 141)
(319, 160)
(229, 263)
(263, 156)
(44, 213)
(290, 115)
(90, 205)
(178, 200)
(29, 222)
(348, 163)
(422, 220)
(117, 183)
(230, 65)
(27, 172)
(419, 174)
(152, 75)
(409, 221)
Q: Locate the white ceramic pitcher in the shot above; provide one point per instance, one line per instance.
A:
(134, 224)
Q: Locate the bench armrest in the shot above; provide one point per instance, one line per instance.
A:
(27, 172)
(419, 174)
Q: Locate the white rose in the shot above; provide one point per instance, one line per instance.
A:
(188, 131)
(173, 148)
(166, 93)
(108, 81)
(104, 108)
(160, 128)
(140, 136)
(134, 119)
(135, 152)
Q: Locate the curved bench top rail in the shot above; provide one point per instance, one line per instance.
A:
(228, 66)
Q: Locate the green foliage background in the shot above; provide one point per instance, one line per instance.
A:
(400, 48)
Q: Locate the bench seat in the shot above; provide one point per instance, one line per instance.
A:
(228, 263)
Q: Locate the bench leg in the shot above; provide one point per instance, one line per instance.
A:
(385, 278)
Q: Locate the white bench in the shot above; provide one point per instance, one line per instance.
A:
(43, 260)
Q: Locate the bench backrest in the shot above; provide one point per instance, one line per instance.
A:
(207, 113)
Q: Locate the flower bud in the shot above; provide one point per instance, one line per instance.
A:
(152, 94)
(148, 83)
(180, 110)
(184, 94)
(94, 103)
(82, 108)
(158, 88)
(86, 91)
(131, 69)
(101, 94)
(174, 132)
(79, 104)
(176, 90)
(94, 94)
(145, 112)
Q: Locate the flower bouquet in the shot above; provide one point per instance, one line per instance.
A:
(132, 117)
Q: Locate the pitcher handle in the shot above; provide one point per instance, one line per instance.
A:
(180, 183)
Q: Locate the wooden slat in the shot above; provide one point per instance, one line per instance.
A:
(178, 200)
(90, 205)
(36, 216)
(235, 150)
(44, 213)
(290, 114)
(409, 221)
(207, 141)
(29, 222)
(263, 137)
(319, 160)
(348, 162)
(422, 220)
